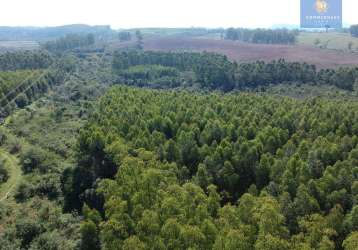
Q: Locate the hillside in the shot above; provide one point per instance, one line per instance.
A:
(159, 141)
(292, 175)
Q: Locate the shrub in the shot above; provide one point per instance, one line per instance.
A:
(32, 158)
(27, 231)
(4, 175)
(24, 191)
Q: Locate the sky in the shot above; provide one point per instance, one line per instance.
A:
(159, 13)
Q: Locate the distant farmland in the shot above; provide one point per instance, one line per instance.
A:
(18, 45)
(246, 52)
(331, 40)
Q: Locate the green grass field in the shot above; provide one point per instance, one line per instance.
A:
(330, 40)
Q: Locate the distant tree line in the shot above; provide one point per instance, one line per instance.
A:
(213, 71)
(261, 74)
(51, 33)
(354, 30)
(267, 36)
(25, 60)
(69, 42)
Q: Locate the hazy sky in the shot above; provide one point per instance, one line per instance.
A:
(158, 13)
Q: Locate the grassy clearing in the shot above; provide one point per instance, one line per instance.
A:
(331, 40)
(14, 172)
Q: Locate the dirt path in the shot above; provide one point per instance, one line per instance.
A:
(15, 174)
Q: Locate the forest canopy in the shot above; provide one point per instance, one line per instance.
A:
(175, 170)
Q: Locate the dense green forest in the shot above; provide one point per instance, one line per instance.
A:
(267, 36)
(174, 170)
(138, 149)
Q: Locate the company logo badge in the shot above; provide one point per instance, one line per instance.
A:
(321, 13)
(321, 6)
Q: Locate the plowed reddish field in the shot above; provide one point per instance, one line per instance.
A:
(246, 52)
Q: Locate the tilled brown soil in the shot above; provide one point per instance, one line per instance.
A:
(247, 52)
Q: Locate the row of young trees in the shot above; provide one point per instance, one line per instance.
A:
(25, 86)
(175, 170)
(266, 36)
(11, 61)
(13, 82)
(24, 75)
(18, 88)
(213, 71)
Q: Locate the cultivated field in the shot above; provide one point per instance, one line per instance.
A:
(247, 52)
